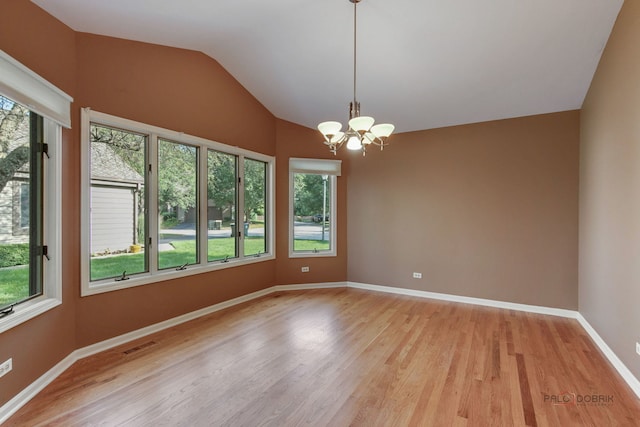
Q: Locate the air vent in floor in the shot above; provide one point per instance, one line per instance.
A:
(139, 347)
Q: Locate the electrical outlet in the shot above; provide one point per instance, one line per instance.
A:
(6, 367)
(417, 275)
(305, 269)
(638, 348)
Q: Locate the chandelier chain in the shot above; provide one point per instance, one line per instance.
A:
(355, 32)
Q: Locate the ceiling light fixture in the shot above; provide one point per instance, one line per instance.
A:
(361, 129)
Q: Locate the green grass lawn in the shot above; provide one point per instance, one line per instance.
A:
(184, 253)
(309, 245)
(14, 282)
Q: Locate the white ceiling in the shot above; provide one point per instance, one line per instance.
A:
(421, 63)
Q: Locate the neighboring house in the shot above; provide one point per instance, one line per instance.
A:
(14, 197)
(116, 190)
(14, 209)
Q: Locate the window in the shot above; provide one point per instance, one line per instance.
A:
(19, 187)
(21, 166)
(222, 199)
(177, 205)
(312, 207)
(23, 210)
(32, 113)
(118, 202)
(255, 202)
(212, 204)
(30, 261)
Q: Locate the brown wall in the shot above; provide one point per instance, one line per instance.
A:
(298, 141)
(47, 47)
(176, 89)
(610, 192)
(172, 88)
(486, 210)
(179, 90)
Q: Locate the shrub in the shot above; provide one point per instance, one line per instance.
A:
(14, 254)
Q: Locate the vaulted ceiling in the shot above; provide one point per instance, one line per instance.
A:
(421, 63)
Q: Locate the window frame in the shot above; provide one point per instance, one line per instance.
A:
(24, 86)
(154, 274)
(52, 225)
(331, 168)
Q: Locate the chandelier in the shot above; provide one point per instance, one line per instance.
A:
(361, 129)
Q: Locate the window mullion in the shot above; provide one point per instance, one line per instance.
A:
(334, 213)
(152, 211)
(35, 204)
(240, 210)
(203, 205)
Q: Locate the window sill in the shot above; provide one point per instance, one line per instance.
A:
(109, 285)
(320, 254)
(27, 311)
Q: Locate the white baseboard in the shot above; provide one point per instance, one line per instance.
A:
(156, 327)
(467, 300)
(34, 388)
(302, 287)
(609, 354)
(12, 406)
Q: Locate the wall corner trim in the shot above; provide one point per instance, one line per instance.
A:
(622, 369)
(21, 399)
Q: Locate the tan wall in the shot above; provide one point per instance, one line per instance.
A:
(298, 141)
(610, 192)
(47, 47)
(485, 210)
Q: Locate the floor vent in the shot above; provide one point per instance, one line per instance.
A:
(140, 347)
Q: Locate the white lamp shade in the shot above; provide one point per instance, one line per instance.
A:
(337, 138)
(368, 138)
(329, 128)
(361, 124)
(382, 130)
(354, 143)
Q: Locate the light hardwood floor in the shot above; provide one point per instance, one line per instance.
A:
(339, 357)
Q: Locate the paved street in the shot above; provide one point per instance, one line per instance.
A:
(302, 230)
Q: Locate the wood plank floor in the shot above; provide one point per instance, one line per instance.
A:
(339, 357)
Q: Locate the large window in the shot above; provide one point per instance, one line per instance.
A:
(21, 169)
(160, 204)
(177, 205)
(255, 202)
(29, 192)
(312, 206)
(118, 202)
(222, 199)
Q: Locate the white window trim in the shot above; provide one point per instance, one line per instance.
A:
(29, 89)
(332, 168)
(52, 268)
(96, 287)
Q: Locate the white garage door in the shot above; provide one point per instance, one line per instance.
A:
(112, 218)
